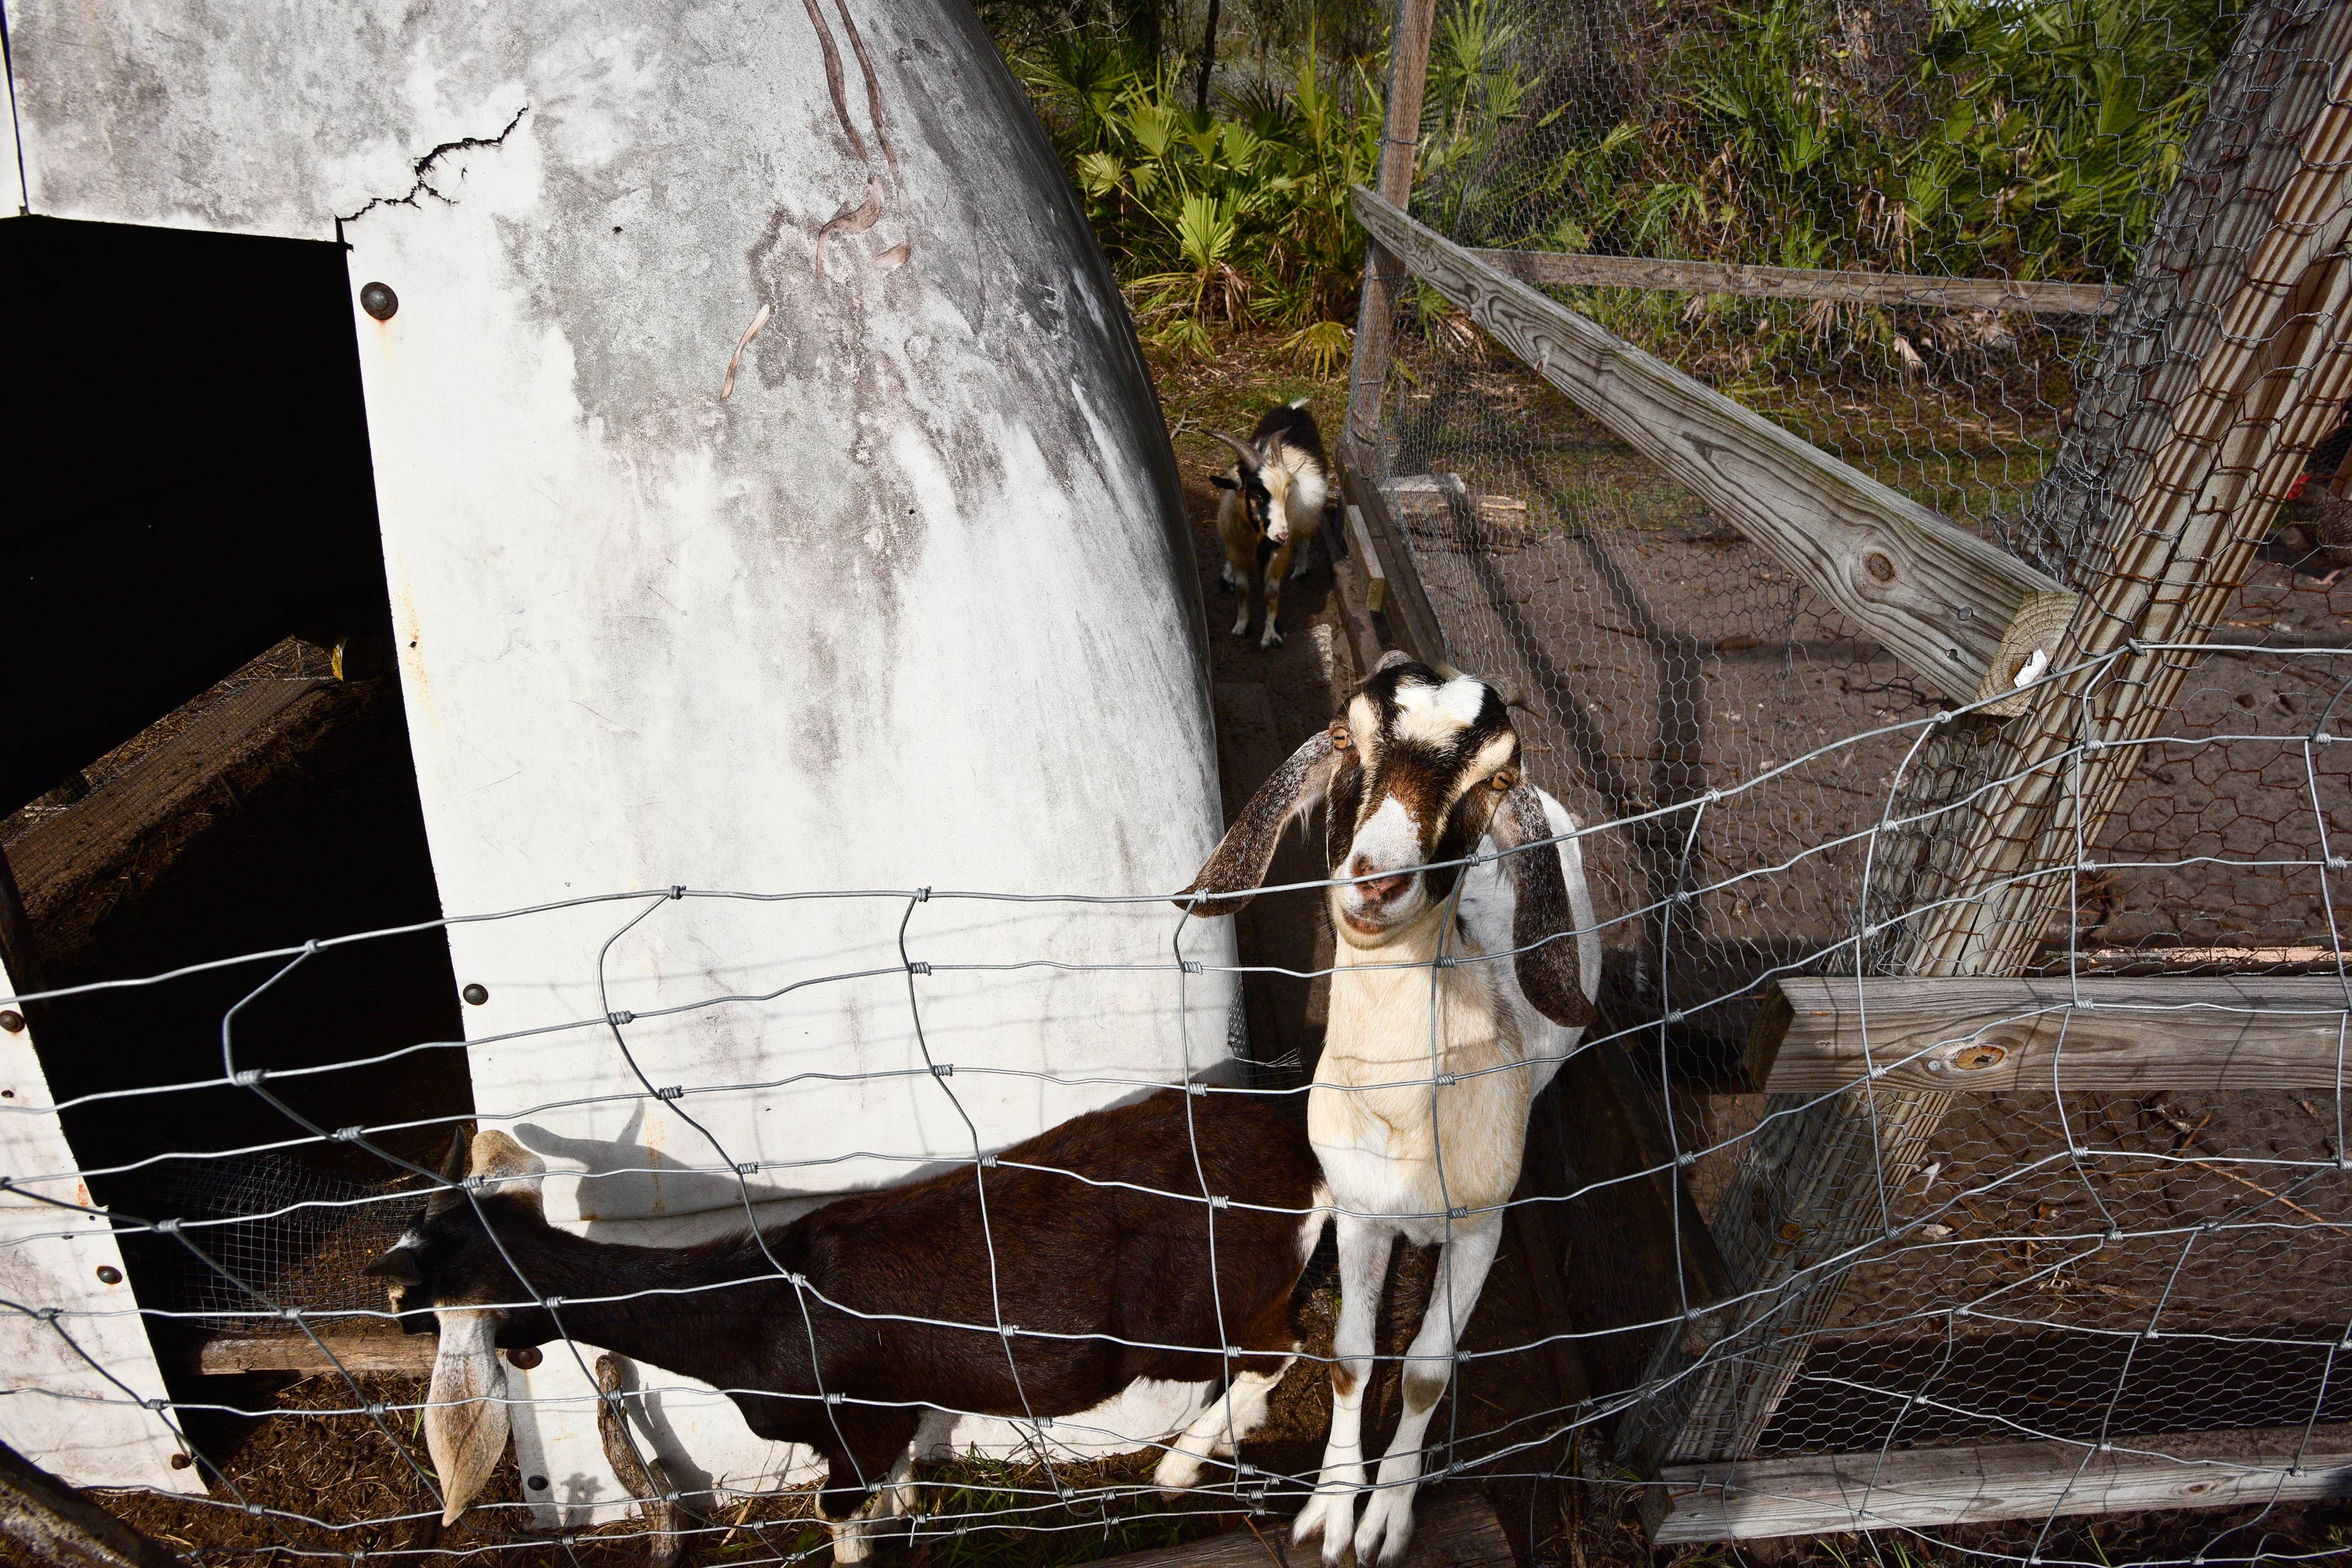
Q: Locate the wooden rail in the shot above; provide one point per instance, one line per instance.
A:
(1819, 1493)
(1407, 609)
(2004, 1036)
(1555, 269)
(2228, 364)
(1936, 597)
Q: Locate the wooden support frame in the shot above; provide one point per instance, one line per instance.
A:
(1554, 270)
(1408, 610)
(2107, 1034)
(57, 1525)
(1367, 367)
(2229, 361)
(1936, 597)
(1915, 1488)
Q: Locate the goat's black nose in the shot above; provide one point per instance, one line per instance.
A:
(1380, 889)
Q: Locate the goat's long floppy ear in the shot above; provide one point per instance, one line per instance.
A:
(465, 1422)
(1543, 926)
(1239, 862)
(453, 1171)
(507, 1168)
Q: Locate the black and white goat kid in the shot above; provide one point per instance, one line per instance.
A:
(1421, 1098)
(889, 1303)
(1271, 511)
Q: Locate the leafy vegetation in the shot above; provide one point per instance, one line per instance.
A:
(2031, 139)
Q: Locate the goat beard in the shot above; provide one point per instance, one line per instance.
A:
(465, 1422)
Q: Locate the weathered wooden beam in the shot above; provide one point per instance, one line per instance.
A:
(1368, 366)
(2229, 361)
(1409, 614)
(2109, 1034)
(62, 1528)
(354, 1350)
(1376, 576)
(1554, 268)
(1936, 596)
(1819, 1493)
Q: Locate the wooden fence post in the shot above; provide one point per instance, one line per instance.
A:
(2226, 362)
(1384, 273)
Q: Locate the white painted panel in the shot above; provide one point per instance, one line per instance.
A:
(909, 603)
(12, 180)
(56, 1407)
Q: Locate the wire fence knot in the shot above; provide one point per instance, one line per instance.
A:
(670, 1091)
(943, 1069)
(917, 966)
(620, 1017)
(246, 1077)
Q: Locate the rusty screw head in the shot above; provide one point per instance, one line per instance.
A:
(524, 1356)
(13, 1021)
(378, 301)
(475, 994)
(182, 1461)
(108, 1274)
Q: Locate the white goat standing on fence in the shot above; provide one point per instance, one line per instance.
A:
(1418, 1111)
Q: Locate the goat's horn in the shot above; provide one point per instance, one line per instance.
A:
(1249, 455)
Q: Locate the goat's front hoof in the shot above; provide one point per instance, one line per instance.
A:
(1272, 638)
(1176, 1473)
(1387, 1527)
(1330, 1513)
(1241, 627)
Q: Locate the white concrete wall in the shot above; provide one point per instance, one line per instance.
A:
(69, 1400)
(911, 603)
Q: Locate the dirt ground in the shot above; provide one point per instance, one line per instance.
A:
(1663, 656)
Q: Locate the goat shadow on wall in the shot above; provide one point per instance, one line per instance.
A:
(623, 1176)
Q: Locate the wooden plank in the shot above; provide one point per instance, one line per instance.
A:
(1817, 1494)
(1376, 577)
(1553, 269)
(138, 820)
(1409, 614)
(1368, 366)
(2227, 362)
(2110, 1034)
(1934, 595)
(358, 1349)
(1454, 1527)
(62, 1528)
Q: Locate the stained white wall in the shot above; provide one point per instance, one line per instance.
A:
(909, 603)
(79, 1363)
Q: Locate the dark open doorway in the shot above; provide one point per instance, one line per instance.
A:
(207, 753)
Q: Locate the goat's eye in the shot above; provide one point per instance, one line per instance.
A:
(1503, 781)
(1340, 738)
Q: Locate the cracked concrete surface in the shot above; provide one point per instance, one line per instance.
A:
(422, 168)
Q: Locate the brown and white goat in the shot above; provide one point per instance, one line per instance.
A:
(1272, 511)
(1419, 1110)
(904, 1288)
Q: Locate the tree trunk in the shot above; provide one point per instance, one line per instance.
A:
(1208, 57)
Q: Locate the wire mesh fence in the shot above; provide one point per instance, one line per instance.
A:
(2145, 1286)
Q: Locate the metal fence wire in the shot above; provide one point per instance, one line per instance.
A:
(2089, 1284)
